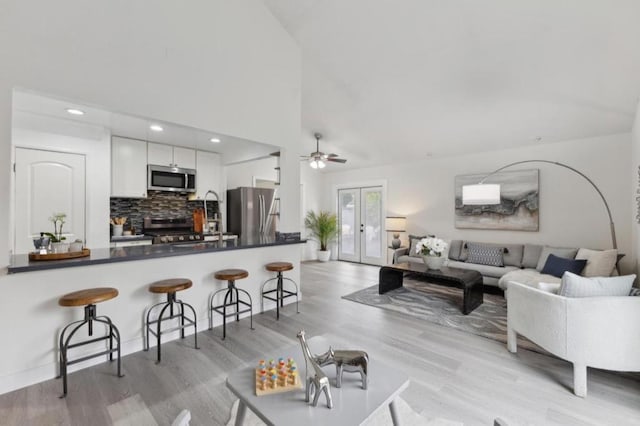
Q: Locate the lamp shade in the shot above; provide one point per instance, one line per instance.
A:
(481, 194)
(395, 223)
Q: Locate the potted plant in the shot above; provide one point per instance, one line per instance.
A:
(431, 250)
(324, 229)
(57, 244)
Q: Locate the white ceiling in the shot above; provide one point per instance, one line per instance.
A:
(233, 149)
(386, 81)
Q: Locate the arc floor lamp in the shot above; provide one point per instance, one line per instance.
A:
(482, 193)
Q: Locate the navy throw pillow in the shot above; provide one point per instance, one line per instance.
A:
(557, 266)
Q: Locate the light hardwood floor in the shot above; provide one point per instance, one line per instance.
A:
(454, 375)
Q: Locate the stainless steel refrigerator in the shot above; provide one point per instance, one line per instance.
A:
(251, 211)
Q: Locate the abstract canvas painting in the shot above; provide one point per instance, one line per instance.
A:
(518, 209)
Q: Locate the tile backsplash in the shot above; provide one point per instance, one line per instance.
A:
(158, 204)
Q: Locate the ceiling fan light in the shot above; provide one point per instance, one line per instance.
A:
(316, 163)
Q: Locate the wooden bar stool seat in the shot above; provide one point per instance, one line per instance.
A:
(170, 287)
(279, 291)
(279, 266)
(231, 298)
(231, 274)
(87, 298)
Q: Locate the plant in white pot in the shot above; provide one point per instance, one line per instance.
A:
(57, 239)
(324, 229)
(432, 250)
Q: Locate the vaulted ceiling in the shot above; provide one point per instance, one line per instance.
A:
(391, 80)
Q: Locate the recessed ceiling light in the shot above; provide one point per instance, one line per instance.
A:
(215, 140)
(74, 111)
(156, 128)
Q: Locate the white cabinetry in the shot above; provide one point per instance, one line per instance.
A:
(173, 156)
(208, 174)
(128, 168)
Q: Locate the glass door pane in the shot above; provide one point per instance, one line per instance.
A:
(349, 222)
(372, 221)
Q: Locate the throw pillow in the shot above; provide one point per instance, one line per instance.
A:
(600, 263)
(576, 286)
(413, 240)
(634, 291)
(531, 255)
(483, 254)
(548, 287)
(568, 253)
(557, 266)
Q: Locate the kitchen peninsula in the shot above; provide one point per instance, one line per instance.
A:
(36, 287)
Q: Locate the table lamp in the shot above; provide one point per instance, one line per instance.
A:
(395, 224)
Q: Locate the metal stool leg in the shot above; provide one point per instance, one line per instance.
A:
(195, 323)
(262, 294)
(296, 286)
(158, 330)
(250, 307)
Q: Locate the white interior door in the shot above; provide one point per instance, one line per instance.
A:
(48, 182)
(361, 225)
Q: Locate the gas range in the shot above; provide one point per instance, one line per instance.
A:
(171, 231)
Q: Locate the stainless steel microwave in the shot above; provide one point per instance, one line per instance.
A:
(174, 179)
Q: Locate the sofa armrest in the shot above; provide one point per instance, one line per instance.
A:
(400, 252)
(539, 316)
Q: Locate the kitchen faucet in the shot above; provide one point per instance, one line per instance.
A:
(219, 220)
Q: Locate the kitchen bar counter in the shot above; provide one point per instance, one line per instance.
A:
(21, 263)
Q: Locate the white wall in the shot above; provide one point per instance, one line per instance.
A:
(242, 174)
(635, 186)
(216, 65)
(571, 213)
(40, 132)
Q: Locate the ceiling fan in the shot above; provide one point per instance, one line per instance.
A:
(317, 159)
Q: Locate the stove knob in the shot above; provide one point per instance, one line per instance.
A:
(170, 239)
(191, 237)
(198, 237)
(181, 238)
(163, 239)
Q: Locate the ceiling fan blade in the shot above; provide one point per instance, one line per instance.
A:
(275, 154)
(337, 160)
(332, 155)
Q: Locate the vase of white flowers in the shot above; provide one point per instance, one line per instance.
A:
(432, 250)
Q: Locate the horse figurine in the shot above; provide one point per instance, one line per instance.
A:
(346, 360)
(317, 381)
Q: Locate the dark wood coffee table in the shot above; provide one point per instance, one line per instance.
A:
(470, 282)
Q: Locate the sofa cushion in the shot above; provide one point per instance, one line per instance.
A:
(413, 240)
(557, 266)
(576, 286)
(600, 263)
(454, 249)
(548, 287)
(568, 253)
(528, 276)
(485, 270)
(531, 255)
(512, 253)
(483, 254)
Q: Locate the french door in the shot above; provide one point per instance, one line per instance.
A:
(361, 222)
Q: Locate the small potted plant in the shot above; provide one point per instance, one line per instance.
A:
(431, 250)
(57, 239)
(324, 229)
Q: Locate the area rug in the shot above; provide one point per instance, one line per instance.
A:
(441, 305)
(381, 418)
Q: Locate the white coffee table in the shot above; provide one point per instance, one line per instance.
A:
(351, 404)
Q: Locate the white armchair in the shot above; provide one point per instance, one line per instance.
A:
(599, 332)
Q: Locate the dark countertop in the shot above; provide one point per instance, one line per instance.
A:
(137, 237)
(21, 262)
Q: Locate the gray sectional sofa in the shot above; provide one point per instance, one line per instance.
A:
(522, 262)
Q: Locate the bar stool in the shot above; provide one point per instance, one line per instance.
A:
(281, 293)
(87, 298)
(230, 275)
(170, 287)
